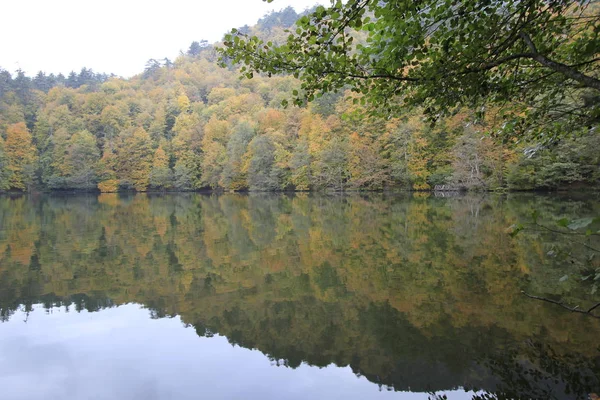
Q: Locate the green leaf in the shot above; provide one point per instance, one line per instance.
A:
(564, 278)
(396, 37)
(563, 222)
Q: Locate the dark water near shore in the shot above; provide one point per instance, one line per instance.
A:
(266, 296)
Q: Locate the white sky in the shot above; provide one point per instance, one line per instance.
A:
(117, 36)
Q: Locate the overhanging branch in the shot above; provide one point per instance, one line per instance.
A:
(564, 69)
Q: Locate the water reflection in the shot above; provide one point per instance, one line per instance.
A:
(121, 354)
(416, 294)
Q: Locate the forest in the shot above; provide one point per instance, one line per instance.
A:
(190, 124)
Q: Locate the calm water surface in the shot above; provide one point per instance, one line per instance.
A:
(194, 296)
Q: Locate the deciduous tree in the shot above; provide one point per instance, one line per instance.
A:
(537, 59)
(21, 155)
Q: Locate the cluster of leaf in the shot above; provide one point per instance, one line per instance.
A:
(536, 60)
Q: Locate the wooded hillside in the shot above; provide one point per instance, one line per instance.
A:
(188, 124)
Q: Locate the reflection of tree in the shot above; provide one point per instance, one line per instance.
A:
(420, 293)
(536, 371)
(576, 309)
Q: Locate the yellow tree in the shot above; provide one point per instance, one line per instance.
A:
(21, 156)
(214, 141)
(183, 102)
(314, 130)
(404, 149)
(367, 169)
(270, 120)
(312, 136)
(106, 171)
(134, 159)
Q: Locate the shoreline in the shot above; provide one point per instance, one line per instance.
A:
(448, 193)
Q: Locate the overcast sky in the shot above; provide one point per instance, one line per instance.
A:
(116, 36)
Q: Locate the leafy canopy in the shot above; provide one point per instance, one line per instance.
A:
(535, 61)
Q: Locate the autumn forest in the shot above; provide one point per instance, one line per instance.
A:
(368, 199)
(188, 125)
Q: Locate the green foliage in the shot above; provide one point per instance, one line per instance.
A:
(234, 175)
(569, 162)
(331, 168)
(4, 171)
(261, 159)
(184, 176)
(161, 176)
(300, 163)
(82, 157)
(535, 60)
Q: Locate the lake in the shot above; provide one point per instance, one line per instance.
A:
(305, 296)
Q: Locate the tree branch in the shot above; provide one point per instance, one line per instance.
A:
(374, 76)
(564, 69)
(593, 307)
(359, 7)
(494, 64)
